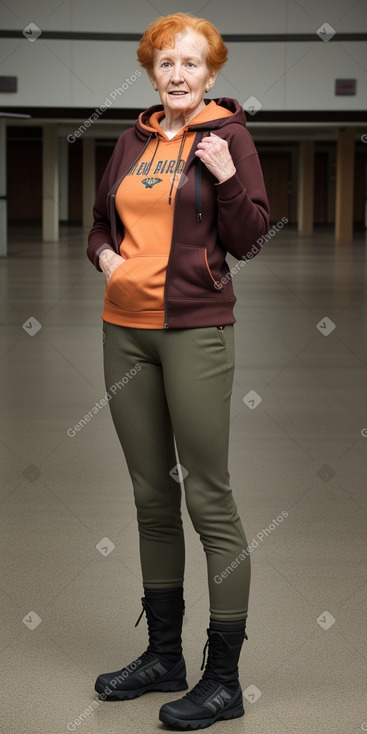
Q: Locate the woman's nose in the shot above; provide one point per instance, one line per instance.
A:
(177, 75)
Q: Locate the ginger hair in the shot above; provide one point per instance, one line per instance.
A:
(162, 31)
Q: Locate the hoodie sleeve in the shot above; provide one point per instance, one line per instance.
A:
(243, 209)
(100, 237)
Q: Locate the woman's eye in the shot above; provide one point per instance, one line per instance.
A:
(166, 64)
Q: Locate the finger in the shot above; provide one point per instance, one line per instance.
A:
(218, 140)
(200, 153)
(208, 145)
(206, 139)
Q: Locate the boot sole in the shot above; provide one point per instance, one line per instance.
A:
(234, 713)
(168, 687)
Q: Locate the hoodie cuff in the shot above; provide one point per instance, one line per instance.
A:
(230, 188)
(105, 246)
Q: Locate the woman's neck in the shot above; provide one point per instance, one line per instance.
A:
(172, 124)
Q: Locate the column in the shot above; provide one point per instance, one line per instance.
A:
(50, 186)
(344, 203)
(89, 180)
(306, 187)
(63, 179)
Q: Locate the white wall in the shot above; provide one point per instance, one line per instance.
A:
(283, 76)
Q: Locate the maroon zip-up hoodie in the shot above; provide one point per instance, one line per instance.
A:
(210, 219)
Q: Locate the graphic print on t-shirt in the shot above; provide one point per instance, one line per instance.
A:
(150, 169)
(150, 182)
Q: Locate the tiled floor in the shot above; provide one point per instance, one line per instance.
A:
(302, 450)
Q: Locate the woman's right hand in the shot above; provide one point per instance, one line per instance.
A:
(109, 261)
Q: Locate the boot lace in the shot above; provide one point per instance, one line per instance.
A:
(144, 605)
(202, 690)
(147, 656)
(208, 684)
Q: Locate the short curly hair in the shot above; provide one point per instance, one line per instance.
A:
(161, 34)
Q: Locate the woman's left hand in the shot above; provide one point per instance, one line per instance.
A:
(214, 153)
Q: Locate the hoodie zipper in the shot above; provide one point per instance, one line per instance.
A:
(169, 262)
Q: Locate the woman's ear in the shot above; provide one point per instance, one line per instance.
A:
(153, 82)
(211, 81)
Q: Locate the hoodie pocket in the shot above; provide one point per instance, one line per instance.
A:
(191, 275)
(138, 284)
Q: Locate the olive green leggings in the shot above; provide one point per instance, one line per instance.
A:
(175, 385)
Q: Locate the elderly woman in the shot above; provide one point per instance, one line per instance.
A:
(183, 187)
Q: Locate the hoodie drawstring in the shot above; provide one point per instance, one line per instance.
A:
(198, 185)
(198, 192)
(198, 176)
(153, 156)
(178, 160)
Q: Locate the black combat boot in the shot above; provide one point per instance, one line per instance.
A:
(218, 694)
(162, 666)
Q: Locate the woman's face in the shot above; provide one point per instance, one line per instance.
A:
(181, 74)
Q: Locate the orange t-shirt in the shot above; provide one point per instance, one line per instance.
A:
(145, 204)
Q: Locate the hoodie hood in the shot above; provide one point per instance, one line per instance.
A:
(144, 128)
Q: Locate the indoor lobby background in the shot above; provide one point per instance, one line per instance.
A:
(70, 583)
